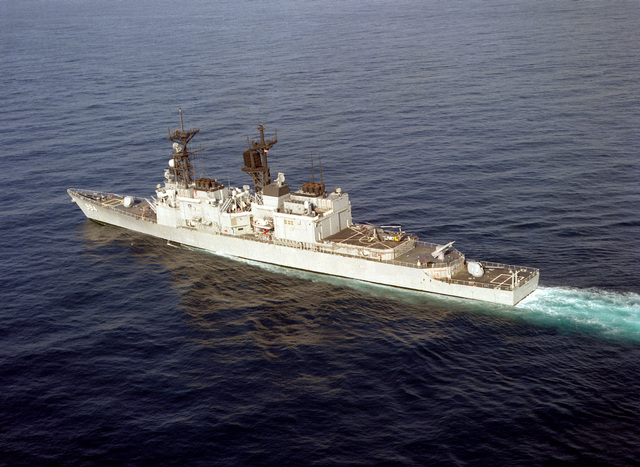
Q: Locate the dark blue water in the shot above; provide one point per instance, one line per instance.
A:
(510, 127)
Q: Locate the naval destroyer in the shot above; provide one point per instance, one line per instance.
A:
(309, 229)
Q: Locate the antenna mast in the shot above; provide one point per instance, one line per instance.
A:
(313, 188)
(180, 164)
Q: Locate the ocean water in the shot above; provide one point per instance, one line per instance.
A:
(511, 127)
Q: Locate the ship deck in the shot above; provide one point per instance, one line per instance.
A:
(408, 251)
(359, 235)
(496, 276)
(421, 254)
(139, 208)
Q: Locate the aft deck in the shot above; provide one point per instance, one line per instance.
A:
(499, 276)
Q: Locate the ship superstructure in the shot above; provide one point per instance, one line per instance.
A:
(309, 229)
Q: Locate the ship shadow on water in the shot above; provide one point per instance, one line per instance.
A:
(214, 289)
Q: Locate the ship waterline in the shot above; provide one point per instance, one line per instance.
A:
(308, 229)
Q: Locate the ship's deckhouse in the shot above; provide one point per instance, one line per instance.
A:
(302, 216)
(335, 212)
(308, 215)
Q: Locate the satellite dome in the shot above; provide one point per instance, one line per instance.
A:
(475, 269)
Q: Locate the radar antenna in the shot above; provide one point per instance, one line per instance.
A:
(180, 164)
(255, 160)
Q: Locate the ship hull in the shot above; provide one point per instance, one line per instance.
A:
(303, 257)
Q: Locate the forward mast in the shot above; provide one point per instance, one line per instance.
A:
(180, 164)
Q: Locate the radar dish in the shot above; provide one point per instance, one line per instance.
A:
(475, 269)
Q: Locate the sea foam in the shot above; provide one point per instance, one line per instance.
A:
(607, 313)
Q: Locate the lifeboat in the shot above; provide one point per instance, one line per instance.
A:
(263, 225)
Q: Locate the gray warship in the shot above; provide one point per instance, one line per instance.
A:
(309, 229)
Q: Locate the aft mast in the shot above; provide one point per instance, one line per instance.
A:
(180, 164)
(255, 160)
